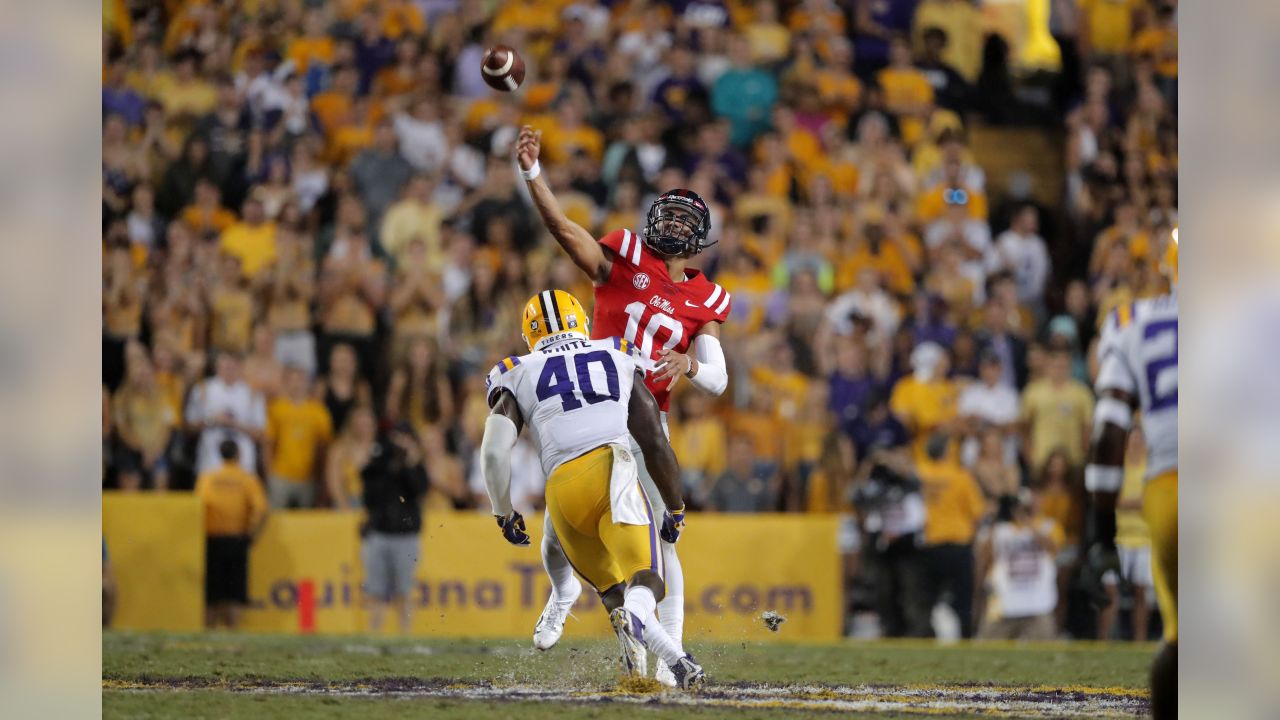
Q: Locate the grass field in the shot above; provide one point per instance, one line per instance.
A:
(221, 675)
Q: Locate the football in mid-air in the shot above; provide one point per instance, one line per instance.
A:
(503, 68)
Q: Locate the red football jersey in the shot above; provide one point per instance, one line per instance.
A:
(640, 302)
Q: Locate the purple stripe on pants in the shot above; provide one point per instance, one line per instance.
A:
(653, 532)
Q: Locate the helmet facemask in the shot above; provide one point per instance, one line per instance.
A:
(677, 225)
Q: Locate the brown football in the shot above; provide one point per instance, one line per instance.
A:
(503, 68)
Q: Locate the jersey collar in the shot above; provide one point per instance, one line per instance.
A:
(547, 342)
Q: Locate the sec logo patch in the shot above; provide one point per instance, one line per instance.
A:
(640, 280)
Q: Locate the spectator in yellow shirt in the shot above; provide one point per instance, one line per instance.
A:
(144, 421)
(298, 430)
(700, 443)
(333, 106)
(235, 508)
(569, 134)
(961, 20)
(414, 216)
(953, 191)
(1108, 26)
(206, 214)
(839, 89)
(830, 485)
(787, 385)
(231, 306)
(1057, 411)
(535, 17)
(925, 401)
(907, 92)
(184, 94)
(315, 45)
(760, 424)
(744, 277)
(252, 240)
(804, 446)
(953, 509)
(768, 38)
(400, 17)
(1160, 42)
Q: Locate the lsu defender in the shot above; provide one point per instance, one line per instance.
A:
(1138, 369)
(646, 294)
(584, 402)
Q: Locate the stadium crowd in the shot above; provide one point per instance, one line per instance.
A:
(313, 227)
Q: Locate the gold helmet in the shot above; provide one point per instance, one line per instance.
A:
(1169, 259)
(552, 313)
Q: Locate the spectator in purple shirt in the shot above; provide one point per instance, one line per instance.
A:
(713, 147)
(680, 85)
(875, 22)
(876, 428)
(851, 383)
(374, 50)
(120, 99)
(928, 321)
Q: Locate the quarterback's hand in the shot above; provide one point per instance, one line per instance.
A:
(528, 145)
(513, 528)
(672, 365)
(672, 524)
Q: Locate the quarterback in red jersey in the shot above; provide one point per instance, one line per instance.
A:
(645, 293)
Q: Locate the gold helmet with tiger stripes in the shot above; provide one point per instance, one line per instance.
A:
(550, 314)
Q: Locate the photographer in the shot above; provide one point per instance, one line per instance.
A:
(1016, 557)
(393, 482)
(891, 510)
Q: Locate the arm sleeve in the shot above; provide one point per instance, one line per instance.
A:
(713, 375)
(495, 461)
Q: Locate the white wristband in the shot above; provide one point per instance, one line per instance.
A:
(532, 173)
(1103, 478)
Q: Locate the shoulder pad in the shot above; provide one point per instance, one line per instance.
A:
(505, 366)
(718, 301)
(627, 246)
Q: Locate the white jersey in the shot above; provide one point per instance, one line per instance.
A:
(1138, 355)
(1024, 578)
(573, 395)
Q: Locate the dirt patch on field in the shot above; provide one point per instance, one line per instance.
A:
(986, 700)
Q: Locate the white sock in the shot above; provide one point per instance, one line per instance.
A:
(640, 603)
(660, 643)
(563, 583)
(638, 600)
(671, 609)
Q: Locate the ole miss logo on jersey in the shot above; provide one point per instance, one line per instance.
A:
(641, 303)
(662, 304)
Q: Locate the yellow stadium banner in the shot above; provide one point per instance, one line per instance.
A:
(156, 546)
(471, 583)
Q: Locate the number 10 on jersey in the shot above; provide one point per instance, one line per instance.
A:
(657, 321)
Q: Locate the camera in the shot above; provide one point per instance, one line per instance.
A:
(883, 488)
